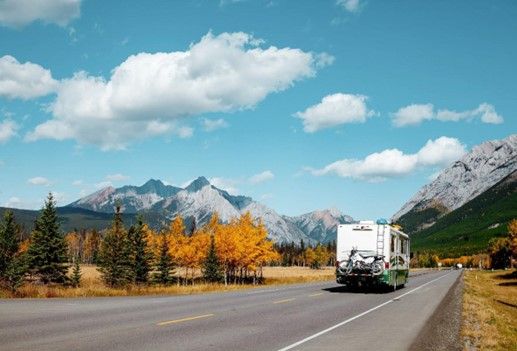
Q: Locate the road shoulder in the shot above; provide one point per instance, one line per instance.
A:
(442, 330)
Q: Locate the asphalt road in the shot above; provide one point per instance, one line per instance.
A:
(316, 316)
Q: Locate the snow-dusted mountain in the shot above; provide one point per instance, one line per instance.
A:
(132, 198)
(200, 199)
(321, 226)
(477, 171)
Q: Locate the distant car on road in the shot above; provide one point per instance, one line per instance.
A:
(458, 266)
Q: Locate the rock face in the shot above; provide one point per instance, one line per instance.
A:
(321, 226)
(477, 171)
(200, 199)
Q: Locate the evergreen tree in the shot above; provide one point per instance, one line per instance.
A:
(115, 254)
(75, 280)
(164, 264)
(12, 263)
(140, 252)
(211, 265)
(47, 253)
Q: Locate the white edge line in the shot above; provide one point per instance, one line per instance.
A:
(358, 316)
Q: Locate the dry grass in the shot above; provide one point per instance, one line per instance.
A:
(92, 286)
(490, 311)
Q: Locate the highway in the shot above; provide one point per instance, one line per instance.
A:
(315, 316)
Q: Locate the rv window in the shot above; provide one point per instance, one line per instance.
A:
(392, 244)
(403, 246)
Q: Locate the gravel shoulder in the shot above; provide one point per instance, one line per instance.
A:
(442, 330)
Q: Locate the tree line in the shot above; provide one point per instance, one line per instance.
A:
(501, 253)
(303, 255)
(234, 252)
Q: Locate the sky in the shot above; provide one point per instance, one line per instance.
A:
(302, 105)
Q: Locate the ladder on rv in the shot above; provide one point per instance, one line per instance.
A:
(380, 239)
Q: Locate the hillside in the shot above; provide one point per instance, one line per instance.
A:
(480, 169)
(77, 219)
(468, 229)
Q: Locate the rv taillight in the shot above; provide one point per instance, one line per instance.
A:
(386, 265)
(337, 264)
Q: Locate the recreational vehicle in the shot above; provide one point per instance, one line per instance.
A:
(372, 254)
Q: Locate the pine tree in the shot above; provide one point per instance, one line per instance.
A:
(47, 253)
(75, 280)
(12, 264)
(164, 264)
(212, 266)
(115, 255)
(140, 253)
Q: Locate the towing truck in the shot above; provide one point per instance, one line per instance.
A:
(372, 254)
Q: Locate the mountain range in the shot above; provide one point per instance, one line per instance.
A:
(468, 203)
(200, 199)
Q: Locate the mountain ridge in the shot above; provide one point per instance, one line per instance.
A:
(476, 172)
(200, 199)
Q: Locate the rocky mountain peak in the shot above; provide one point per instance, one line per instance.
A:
(197, 184)
(481, 168)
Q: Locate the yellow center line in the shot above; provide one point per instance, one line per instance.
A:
(185, 319)
(318, 294)
(284, 301)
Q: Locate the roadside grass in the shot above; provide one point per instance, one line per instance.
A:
(490, 310)
(92, 285)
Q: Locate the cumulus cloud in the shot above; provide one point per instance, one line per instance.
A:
(39, 181)
(261, 177)
(147, 93)
(230, 185)
(13, 202)
(7, 130)
(209, 125)
(24, 80)
(19, 13)
(350, 5)
(333, 110)
(116, 177)
(103, 184)
(392, 163)
(417, 113)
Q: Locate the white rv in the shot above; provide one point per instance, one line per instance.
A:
(372, 254)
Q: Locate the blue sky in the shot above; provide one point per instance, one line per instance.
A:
(302, 105)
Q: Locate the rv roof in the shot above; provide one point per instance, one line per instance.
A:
(366, 222)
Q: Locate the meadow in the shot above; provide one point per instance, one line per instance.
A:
(92, 285)
(490, 310)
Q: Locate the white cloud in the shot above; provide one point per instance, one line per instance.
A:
(261, 177)
(229, 185)
(417, 113)
(392, 163)
(60, 198)
(116, 177)
(440, 152)
(77, 182)
(24, 80)
(7, 130)
(267, 196)
(104, 184)
(412, 114)
(350, 5)
(488, 114)
(13, 202)
(147, 93)
(210, 125)
(18, 13)
(39, 181)
(333, 110)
